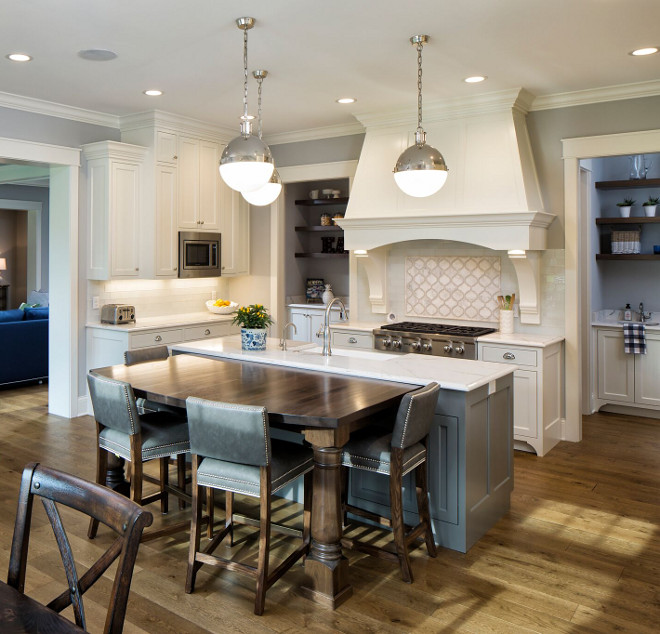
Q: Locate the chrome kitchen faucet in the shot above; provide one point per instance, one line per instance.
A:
(327, 350)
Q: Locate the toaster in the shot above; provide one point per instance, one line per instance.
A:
(117, 314)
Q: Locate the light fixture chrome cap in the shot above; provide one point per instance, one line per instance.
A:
(420, 171)
(246, 163)
(267, 194)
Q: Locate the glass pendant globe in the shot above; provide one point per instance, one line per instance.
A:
(267, 194)
(421, 171)
(246, 163)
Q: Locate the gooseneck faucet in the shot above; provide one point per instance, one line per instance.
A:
(327, 350)
(283, 339)
(642, 315)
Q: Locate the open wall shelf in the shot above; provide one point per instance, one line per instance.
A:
(629, 184)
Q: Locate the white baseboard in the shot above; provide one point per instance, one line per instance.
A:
(84, 406)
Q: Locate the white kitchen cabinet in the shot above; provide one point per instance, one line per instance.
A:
(309, 321)
(166, 243)
(628, 379)
(345, 338)
(166, 147)
(537, 391)
(114, 188)
(235, 247)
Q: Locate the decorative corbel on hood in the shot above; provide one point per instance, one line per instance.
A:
(492, 196)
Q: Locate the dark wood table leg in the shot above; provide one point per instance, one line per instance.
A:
(326, 567)
(114, 478)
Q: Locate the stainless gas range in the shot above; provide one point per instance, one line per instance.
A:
(440, 340)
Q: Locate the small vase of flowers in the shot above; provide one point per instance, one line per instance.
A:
(254, 321)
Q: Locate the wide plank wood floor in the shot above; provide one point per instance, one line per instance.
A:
(578, 552)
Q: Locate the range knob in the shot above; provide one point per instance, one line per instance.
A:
(460, 350)
(448, 348)
(396, 343)
(416, 345)
(387, 343)
(427, 347)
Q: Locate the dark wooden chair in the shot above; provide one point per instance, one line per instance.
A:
(137, 438)
(124, 517)
(396, 454)
(232, 451)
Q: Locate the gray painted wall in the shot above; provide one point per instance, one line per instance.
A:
(343, 148)
(547, 128)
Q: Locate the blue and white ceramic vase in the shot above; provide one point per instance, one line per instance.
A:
(253, 338)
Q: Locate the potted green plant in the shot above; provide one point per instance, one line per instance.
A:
(254, 321)
(650, 205)
(625, 206)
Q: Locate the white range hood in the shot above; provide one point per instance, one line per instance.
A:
(491, 198)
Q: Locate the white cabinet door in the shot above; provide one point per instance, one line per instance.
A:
(166, 247)
(616, 370)
(647, 372)
(209, 156)
(188, 183)
(525, 406)
(316, 318)
(300, 320)
(124, 218)
(166, 147)
(235, 232)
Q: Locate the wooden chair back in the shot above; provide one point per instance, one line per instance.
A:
(123, 516)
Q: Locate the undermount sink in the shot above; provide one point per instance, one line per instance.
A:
(646, 323)
(348, 352)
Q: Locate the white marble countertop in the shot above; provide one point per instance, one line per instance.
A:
(168, 321)
(521, 339)
(616, 324)
(316, 306)
(453, 374)
(354, 325)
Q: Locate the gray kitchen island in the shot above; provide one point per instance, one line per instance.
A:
(471, 443)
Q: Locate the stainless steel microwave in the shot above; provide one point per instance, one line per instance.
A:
(199, 254)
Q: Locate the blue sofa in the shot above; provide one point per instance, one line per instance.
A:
(23, 345)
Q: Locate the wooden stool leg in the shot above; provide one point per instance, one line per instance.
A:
(181, 476)
(229, 515)
(264, 542)
(210, 511)
(101, 470)
(195, 530)
(136, 482)
(396, 508)
(164, 481)
(423, 508)
(307, 507)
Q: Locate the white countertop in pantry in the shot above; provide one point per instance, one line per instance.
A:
(167, 321)
(316, 306)
(452, 374)
(521, 339)
(616, 324)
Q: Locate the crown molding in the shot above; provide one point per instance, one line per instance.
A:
(314, 134)
(176, 123)
(597, 95)
(52, 109)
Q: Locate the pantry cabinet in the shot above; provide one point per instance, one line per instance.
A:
(114, 173)
(629, 379)
(308, 320)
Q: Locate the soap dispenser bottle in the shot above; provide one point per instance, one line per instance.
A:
(627, 313)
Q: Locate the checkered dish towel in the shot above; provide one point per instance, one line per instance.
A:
(634, 338)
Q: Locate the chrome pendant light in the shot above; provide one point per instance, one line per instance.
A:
(421, 170)
(267, 194)
(246, 163)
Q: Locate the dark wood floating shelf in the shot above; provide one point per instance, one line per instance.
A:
(321, 255)
(320, 228)
(635, 220)
(641, 182)
(321, 202)
(627, 256)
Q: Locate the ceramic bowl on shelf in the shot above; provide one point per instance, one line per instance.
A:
(221, 310)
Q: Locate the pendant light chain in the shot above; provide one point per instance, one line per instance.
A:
(419, 86)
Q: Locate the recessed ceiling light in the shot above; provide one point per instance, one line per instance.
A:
(649, 50)
(19, 57)
(346, 100)
(475, 80)
(153, 93)
(97, 55)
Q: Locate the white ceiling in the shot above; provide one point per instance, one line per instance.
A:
(317, 51)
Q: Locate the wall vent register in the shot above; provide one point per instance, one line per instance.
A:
(440, 340)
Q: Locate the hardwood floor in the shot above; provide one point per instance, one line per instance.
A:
(578, 552)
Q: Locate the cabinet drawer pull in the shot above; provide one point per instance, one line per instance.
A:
(509, 356)
(207, 332)
(352, 340)
(158, 338)
(175, 157)
(201, 222)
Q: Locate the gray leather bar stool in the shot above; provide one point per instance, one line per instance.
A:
(232, 451)
(396, 454)
(137, 438)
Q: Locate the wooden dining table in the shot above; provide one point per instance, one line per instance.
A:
(325, 407)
